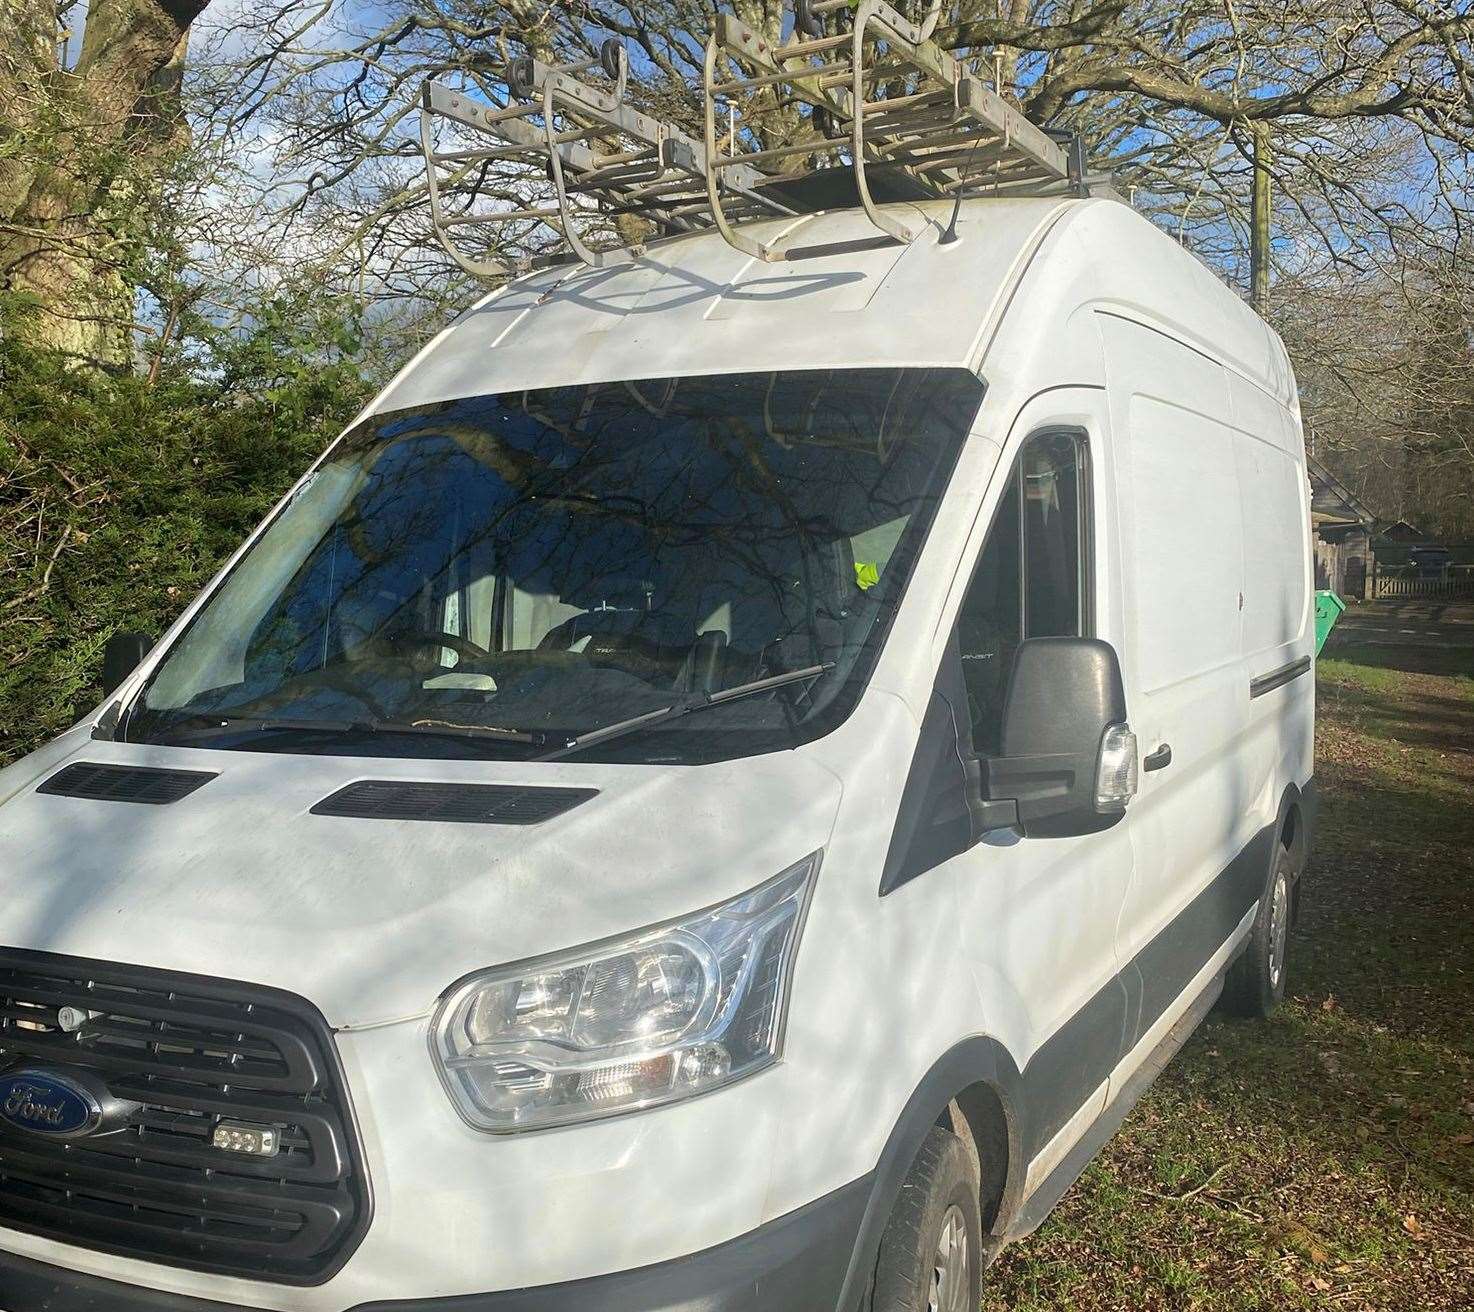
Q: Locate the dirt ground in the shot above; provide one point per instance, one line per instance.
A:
(1324, 1159)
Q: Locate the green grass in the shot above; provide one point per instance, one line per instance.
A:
(1347, 673)
(1324, 1159)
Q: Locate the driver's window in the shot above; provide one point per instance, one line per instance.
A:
(1031, 580)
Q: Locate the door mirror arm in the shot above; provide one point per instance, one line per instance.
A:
(1037, 787)
(992, 815)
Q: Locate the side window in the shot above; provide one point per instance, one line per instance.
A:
(1032, 578)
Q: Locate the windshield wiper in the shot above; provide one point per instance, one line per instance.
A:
(207, 726)
(665, 714)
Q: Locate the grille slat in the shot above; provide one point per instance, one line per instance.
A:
(59, 1047)
(134, 1021)
(179, 1231)
(189, 1052)
(177, 1192)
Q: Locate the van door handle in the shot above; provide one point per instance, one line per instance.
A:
(1159, 759)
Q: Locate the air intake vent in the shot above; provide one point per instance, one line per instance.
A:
(469, 804)
(125, 783)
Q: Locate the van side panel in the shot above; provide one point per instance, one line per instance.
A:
(1278, 634)
(1183, 581)
(1271, 461)
(1186, 563)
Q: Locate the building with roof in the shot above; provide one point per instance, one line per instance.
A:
(1344, 530)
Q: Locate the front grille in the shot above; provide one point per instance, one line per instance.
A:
(187, 1052)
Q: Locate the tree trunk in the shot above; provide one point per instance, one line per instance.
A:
(80, 147)
(1262, 224)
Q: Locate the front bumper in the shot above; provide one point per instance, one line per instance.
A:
(794, 1264)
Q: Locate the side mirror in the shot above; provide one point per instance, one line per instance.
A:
(1068, 763)
(122, 655)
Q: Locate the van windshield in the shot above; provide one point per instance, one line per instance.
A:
(502, 574)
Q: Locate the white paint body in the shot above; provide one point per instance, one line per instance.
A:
(1074, 312)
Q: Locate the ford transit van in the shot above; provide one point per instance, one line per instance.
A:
(719, 791)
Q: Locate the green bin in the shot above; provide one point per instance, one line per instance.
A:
(1328, 608)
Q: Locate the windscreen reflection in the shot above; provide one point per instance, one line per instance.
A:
(510, 571)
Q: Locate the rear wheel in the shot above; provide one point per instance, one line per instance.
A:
(931, 1253)
(1255, 985)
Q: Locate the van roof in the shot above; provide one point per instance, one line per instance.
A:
(695, 305)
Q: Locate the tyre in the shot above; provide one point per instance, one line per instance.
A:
(931, 1253)
(1255, 985)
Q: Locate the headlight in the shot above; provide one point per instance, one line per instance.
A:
(661, 1015)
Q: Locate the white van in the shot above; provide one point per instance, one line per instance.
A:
(718, 792)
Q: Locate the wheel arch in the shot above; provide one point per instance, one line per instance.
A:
(974, 1090)
(1292, 827)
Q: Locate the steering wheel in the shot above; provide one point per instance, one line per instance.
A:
(463, 647)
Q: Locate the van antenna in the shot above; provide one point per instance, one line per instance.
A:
(949, 235)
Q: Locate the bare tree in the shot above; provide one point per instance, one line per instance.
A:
(1174, 97)
(1385, 356)
(1362, 111)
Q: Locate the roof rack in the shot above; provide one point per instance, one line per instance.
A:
(592, 144)
(885, 104)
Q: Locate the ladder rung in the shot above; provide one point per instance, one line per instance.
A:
(504, 115)
(817, 46)
(669, 213)
(661, 187)
(897, 103)
(478, 156)
(811, 147)
(570, 135)
(609, 179)
(1005, 175)
(977, 152)
(501, 216)
(915, 133)
(625, 157)
(784, 75)
(920, 147)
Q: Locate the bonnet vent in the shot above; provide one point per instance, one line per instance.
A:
(125, 783)
(471, 804)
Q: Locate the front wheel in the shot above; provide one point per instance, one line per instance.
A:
(1255, 985)
(931, 1253)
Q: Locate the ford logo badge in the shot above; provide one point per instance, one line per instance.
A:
(49, 1103)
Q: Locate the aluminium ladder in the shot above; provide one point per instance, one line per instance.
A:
(882, 100)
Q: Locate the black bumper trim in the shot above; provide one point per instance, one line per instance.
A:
(794, 1264)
